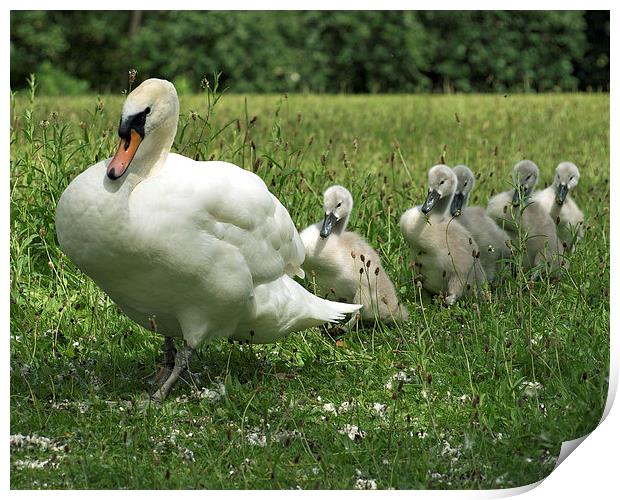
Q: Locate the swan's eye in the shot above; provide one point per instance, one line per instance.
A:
(147, 111)
(465, 184)
(337, 206)
(571, 178)
(441, 182)
(528, 178)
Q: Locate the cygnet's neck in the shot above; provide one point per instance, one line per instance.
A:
(443, 204)
(341, 225)
(465, 200)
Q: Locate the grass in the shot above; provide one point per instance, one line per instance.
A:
(478, 395)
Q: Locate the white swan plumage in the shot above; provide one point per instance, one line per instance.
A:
(195, 250)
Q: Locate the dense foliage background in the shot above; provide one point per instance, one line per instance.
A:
(74, 52)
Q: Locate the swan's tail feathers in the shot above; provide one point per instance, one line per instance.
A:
(291, 307)
(335, 312)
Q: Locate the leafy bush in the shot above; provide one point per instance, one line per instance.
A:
(54, 81)
(320, 51)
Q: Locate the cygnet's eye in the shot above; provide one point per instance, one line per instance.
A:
(339, 203)
(441, 182)
(147, 110)
(465, 184)
(528, 178)
(571, 178)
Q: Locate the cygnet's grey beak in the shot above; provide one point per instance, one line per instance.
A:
(431, 199)
(561, 194)
(457, 204)
(328, 224)
(521, 193)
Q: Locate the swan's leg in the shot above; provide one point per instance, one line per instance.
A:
(181, 362)
(163, 371)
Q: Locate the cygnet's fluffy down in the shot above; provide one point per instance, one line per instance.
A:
(443, 251)
(562, 209)
(345, 267)
(526, 221)
(491, 239)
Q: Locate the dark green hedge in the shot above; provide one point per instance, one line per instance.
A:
(319, 51)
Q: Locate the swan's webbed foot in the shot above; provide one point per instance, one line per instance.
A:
(163, 370)
(181, 362)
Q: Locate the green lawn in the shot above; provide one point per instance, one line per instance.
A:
(478, 395)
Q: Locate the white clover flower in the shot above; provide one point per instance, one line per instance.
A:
(352, 431)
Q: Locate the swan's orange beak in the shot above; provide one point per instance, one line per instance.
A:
(124, 154)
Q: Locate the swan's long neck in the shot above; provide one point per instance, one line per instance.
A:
(152, 153)
(149, 159)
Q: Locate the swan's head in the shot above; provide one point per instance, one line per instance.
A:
(151, 105)
(337, 203)
(566, 178)
(524, 177)
(464, 183)
(441, 185)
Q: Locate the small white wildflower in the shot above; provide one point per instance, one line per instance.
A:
(35, 464)
(379, 409)
(330, 408)
(76, 344)
(365, 484)
(530, 388)
(353, 432)
(213, 394)
(397, 377)
(284, 435)
(188, 455)
(344, 407)
(19, 441)
(256, 439)
(449, 450)
(173, 436)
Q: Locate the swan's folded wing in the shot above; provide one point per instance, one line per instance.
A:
(241, 211)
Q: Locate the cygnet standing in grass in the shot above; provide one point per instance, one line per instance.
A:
(442, 249)
(345, 265)
(526, 220)
(492, 240)
(561, 207)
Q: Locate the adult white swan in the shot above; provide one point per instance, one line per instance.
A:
(199, 249)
